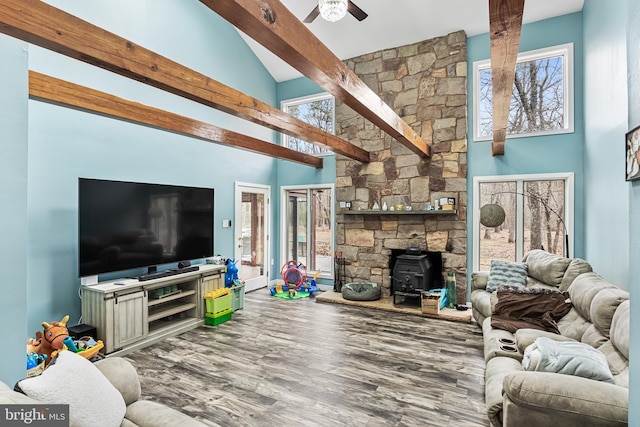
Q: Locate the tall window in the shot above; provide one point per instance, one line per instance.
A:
(307, 224)
(542, 98)
(538, 215)
(317, 110)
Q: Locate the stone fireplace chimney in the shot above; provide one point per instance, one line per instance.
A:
(426, 84)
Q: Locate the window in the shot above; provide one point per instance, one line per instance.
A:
(538, 215)
(542, 99)
(307, 224)
(317, 110)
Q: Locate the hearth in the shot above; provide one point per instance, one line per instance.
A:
(415, 271)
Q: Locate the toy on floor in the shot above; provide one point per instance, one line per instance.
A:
(45, 346)
(294, 282)
(52, 339)
(231, 274)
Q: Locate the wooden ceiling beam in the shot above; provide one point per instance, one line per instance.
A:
(36, 22)
(61, 92)
(505, 22)
(276, 28)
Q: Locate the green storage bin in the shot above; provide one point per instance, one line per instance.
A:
(218, 318)
(237, 295)
(216, 305)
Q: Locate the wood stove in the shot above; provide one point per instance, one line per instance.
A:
(413, 272)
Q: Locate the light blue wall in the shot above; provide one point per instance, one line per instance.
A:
(633, 67)
(64, 144)
(13, 205)
(605, 119)
(540, 154)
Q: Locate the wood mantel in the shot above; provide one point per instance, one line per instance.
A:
(505, 18)
(276, 28)
(60, 92)
(41, 24)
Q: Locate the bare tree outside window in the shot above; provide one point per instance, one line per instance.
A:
(317, 111)
(537, 222)
(539, 101)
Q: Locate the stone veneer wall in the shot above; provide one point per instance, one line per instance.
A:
(426, 84)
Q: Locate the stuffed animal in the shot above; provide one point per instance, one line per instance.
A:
(34, 344)
(231, 274)
(52, 340)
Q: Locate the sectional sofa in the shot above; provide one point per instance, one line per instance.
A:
(569, 365)
(105, 393)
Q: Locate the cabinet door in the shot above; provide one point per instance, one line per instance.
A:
(210, 283)
(130, 318)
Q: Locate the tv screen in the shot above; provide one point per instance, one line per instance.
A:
(127, 225)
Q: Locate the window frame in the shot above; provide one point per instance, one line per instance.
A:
(565, 50)
(286, 103)
(520, 179)
(284, 226)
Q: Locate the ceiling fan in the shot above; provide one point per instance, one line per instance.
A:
(354, 10)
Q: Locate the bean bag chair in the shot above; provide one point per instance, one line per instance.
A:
(361, 291)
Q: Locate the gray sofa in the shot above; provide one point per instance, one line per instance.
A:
(598, 316)
(123, 376)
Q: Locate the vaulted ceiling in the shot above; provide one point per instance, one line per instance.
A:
(400, 22)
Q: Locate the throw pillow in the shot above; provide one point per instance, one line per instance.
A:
(567, 357)
(506, 273)
(73, 380)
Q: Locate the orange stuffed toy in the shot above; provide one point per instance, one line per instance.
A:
(52, 339)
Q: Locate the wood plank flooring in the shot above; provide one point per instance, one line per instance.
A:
(305, 363)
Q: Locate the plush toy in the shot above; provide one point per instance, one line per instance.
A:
(52, 340)
(34, 344)
(231, 274)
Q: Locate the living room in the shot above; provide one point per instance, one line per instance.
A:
(48, 147)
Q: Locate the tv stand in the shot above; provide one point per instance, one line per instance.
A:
(129, 314)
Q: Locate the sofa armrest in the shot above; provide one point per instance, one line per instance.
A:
(479, 280)
(542, 398)
(526, 336)
(121, 373)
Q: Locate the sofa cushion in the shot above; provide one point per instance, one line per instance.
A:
(604, 305)
(506, 273)
(526, 336)
(573, 325)
(582, 291)
(496, 371)
(568, 357)
(576, 268)
(550, 399)
(152, 414)
(546, 267)
(75, 381)
(121, 373)
(619, 331)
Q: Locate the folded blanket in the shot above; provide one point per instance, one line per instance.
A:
(567, 357)
(529, 308)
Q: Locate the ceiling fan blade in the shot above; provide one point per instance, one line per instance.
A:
(357, 13)
(313, 15)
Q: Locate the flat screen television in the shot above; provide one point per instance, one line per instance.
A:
(127, 225)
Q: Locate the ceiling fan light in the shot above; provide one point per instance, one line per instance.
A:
(333, 10)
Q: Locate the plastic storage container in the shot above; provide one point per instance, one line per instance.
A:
(221, 303)
(218, 318)
(237, 297)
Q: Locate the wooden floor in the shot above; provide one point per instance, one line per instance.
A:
(305, 363)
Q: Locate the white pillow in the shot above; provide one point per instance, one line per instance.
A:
(566, 357)
(73, 380)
